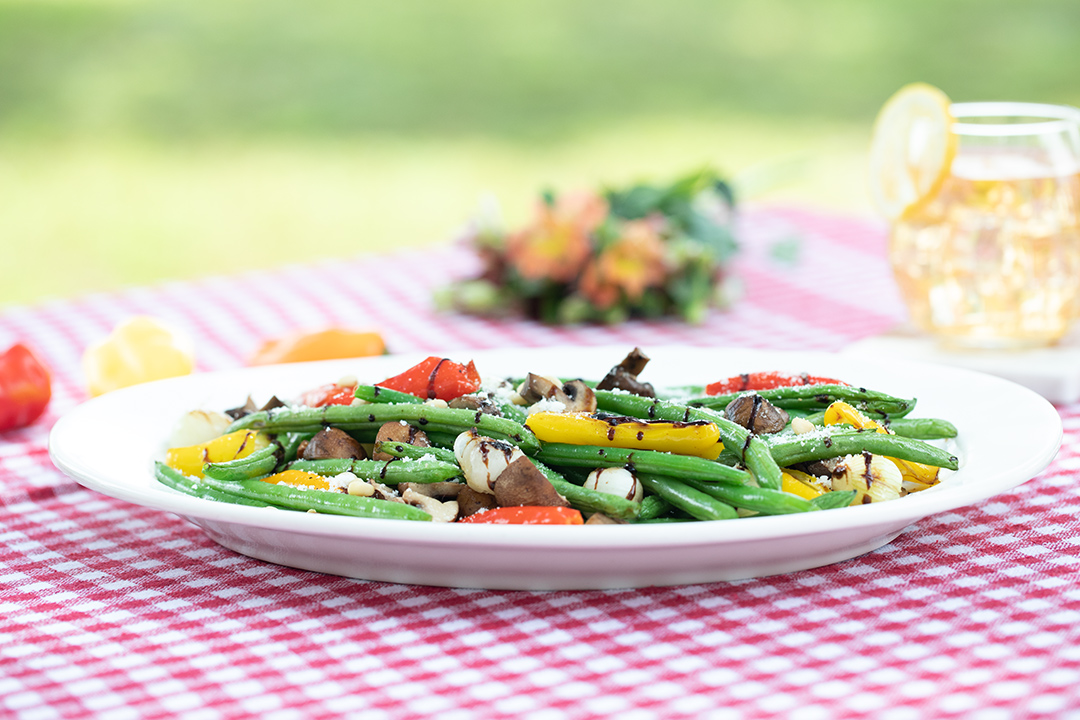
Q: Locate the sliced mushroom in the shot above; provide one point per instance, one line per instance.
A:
(439, 511)
(522, 483)
(574, 396)
(471, 502)
(246, 409)
(819, 468)
(448, 490)
(249, 407)
(400, 432)
(537, 387)
(756, 414)
(332, 443)
(624, 375)
(581, 397)
(272, 403)
(483, 403)
(602, 519)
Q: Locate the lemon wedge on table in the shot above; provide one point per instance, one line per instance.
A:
(912, 149)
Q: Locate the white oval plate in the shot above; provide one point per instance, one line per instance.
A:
(1007, 435)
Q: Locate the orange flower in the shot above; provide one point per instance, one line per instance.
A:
(630, 265)
(558, 242)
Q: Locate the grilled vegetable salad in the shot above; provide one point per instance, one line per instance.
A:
(437, 443)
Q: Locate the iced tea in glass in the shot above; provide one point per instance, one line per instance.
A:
(993, 259)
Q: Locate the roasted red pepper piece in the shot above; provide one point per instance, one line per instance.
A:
(331, 394)
(436, 378)
(766, 381)
(25, 387)
(527, 515)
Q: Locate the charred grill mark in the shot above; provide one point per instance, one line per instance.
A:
(744, 381)
(640, 435)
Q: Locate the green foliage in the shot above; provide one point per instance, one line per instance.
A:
(173, 69)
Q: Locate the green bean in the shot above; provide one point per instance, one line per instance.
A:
(390, 472)
(378, 394)
(415, 452)
(324, 501)
(917, 428)
(652, 508)
(371, 417)
(752, 450)
(761, 500)
(819, 396)
(443, 440)
(789, 449)
(662, 520)
(650, 461)
(290, 446)
(589, 500)
(922, 428)
(514, 412)
(191, 486)
(258, 464)
(692, 501)
(833, 500)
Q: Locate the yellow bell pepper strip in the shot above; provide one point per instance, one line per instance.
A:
(328, 344)
(841, 413)
(138, 350)
(801, 484)
(298, 478)
(701, 439)
(233, 446)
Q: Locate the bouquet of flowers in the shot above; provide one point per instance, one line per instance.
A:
(643, 251)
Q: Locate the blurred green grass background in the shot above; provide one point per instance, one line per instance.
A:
(146, 140)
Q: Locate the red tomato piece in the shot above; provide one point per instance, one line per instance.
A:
(331, 394)
(766, 381)
(436, 377)
(527, 515)
(25, 387)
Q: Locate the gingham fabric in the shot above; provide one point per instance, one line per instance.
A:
(116, 611)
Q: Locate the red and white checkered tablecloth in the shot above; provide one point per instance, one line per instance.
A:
(116, 611)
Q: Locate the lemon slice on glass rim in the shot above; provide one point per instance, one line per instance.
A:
(912, 149)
